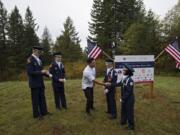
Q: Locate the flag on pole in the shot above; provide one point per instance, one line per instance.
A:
(174, 51)
(93, 50)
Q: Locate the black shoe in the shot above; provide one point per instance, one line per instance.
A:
(93, 109)
(123, 123)
(40, 118)
(88, 113)
(130, 128)
(112, 117)
(59, 109)
(48, 113)
(65, 108)
(107, 112)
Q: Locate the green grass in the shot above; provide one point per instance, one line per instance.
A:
(158, 116)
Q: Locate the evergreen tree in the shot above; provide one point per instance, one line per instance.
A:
(3, 39)
(68, 42)
(30, 36)
(46, 42)
(111, 18)
(15, 41)
(143, 38)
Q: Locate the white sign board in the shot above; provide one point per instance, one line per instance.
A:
(142, 64)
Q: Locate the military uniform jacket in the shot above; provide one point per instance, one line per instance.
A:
(127, 89)
(111, 77)
(57, 73)
(34, 73)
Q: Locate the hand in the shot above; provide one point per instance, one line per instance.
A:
(107, 84)
(106, 91)
(121, 100)
(62, 80)
(45, 72)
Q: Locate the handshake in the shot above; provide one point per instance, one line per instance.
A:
(107, 84)
(46, 72)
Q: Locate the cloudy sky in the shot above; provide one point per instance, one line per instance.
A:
(52, 13)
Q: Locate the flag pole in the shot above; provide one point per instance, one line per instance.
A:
(107, 55)
(160, 54)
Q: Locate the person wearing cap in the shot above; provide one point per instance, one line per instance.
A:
(88, 81)
(58, 72)
(35, 73)
(111, 77)
(127, 97)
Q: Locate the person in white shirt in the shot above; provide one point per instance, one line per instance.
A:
(88, 81)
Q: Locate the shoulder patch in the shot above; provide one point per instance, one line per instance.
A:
(131, 83)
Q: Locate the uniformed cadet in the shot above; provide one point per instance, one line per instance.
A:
(58, 72)
(88, 81)
(127, 97)
(36, 83)
(111, 77)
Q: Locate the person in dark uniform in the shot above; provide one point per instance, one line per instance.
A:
(36, 83)
(111, 77)
(58, 72)
(127, 97)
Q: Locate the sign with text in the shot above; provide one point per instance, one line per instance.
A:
(142, 64)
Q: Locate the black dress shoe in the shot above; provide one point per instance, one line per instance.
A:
(48, 113)
(112, 117)
(40, 118)
(88, 114)
(130, 128)
(58, 109)
(93, 109)
(123, 123)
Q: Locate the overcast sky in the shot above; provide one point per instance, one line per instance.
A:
(52, 13)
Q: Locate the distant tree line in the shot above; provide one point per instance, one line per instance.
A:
(18, 35)
(133, 29)
(125, 23)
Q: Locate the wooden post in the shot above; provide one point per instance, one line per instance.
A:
(151, 89)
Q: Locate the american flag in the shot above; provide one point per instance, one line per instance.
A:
(93, 50)
(174, 51)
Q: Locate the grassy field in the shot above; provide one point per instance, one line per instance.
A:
(158, 116)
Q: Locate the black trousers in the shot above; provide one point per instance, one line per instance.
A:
(89, 94)
(59, 97)
(127, 112)
(39, 106)
(111, 102)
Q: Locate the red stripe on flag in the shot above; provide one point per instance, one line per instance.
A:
(175, 54)
(94, 49)
(98, 54)
(94, 54)
(178, 65)
(175, 50)
(172, 54)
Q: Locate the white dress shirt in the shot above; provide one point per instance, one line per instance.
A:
(88, 77)
(37, 59)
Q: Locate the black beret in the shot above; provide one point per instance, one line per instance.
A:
(90, 60)
(38, 47)
(57, 53)
(128, 68)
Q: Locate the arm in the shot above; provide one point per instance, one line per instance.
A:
(99, 83)
(54, 76)
(31, 70)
